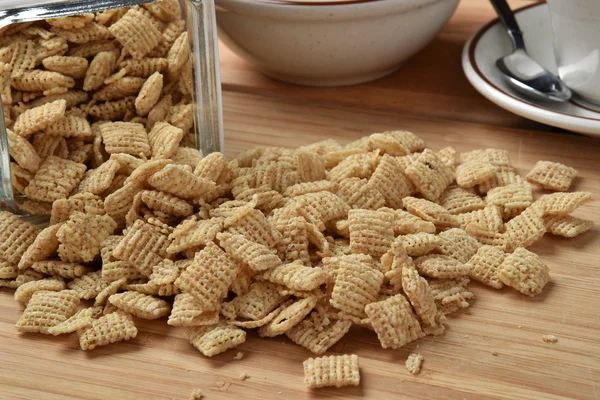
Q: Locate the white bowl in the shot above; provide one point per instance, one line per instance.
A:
(330, 43)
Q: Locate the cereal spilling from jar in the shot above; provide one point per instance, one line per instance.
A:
(382, 233)
(87, 97)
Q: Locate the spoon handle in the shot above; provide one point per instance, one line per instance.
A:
(510, 23)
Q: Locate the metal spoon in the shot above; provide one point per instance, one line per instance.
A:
(524, 73)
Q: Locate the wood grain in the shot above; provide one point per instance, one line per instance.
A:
(161, 364)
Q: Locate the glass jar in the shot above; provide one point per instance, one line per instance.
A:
(41, 26)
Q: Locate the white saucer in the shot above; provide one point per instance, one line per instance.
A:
(491, 42)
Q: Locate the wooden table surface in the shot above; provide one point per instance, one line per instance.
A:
(431, 97)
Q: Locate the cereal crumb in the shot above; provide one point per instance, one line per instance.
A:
(519, 326)
(280, 393)
(244, 376)
(413, 363)
(466, 336)
(495, 354)
(549, 338)
(239, 355)
(196, 394)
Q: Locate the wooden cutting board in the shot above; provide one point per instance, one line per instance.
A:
(431, 97)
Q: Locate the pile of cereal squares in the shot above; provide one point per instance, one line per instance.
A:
(382, 233)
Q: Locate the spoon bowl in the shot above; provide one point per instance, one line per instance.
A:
(530, 78)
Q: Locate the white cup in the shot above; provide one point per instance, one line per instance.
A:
(576, 25)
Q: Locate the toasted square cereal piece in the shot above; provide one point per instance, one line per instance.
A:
(149, 94)
(90, 49)
(164, 140)
(318, 337)
(178, 55)
(358, 193)
(75, 67)
(335, 371)
(483, 266)
(145, 67)
(70, 126)
(118, 204)
(145, 170)
(407, 223)
(448, 156)
(23, 152)
(393, 262)
(371, 232)
(419, 294)
(192, 233)
(55, 179)
(125, 137)
(46, 309)
(144, 245)
(290, 316)
(110, 328)
(429, 175)
(8, 270)
(96, 181)
(37, 118)
(140, 305)
(563, 203)
(472, 173)
(490, 217)
(396, 143)
(257, 256)
(112, 110)
(23, 57)
(187, 156)
(525, 229)
(136, 32)
(459, 201)
(82, 154)
(79, 321)
(294, 243)
(50, 47)
(182, 116)
(44, 246)
(419, 244)
(429, 211)
(60, 268)
(390, 181)
(552, 175)
(505, 175)
(72, 97)
(24, 292)
(524, 271)
(394, 322)
(513, 198)
(86, 203)
(16, 235)
(356, 285)
(187, 311)
(211, 166)
(254, 226)
(166, 11)
(209, 277)
(440, 266)
(458, 244)
(43, 81)
(297, 276)
(215, 339)
(261, 299)
(179, 182)
(82, 235)
(567, 225)
(166, 203)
